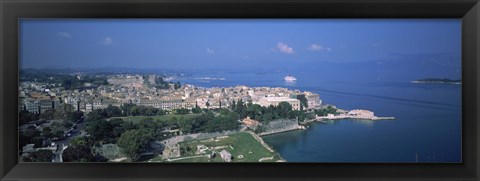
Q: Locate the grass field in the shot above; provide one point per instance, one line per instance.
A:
(239, 145)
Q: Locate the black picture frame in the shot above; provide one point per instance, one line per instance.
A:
(467, 10)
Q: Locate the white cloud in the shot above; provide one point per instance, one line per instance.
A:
(209, 51)
(64, 34)
(284, 48)
(107, 41)
(318, 48)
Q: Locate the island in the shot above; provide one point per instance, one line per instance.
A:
(437, 81)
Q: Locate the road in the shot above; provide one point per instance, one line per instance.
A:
(63, 144)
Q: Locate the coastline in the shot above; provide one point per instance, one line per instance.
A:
(434, 82)
(374, 118)
(363, 115)
(299, 127)
(353, 114)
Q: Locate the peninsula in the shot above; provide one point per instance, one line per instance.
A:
(124, 117)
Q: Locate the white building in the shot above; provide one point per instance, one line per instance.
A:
(313, 100)
(267, 101)
(226, 156)
(32, 105)
(361, 113)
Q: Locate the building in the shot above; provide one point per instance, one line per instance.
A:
(226, 156)
(151, 79)
(127, 81)
(38, 106)
(46, 105)
(268, 101)
(251, 123)
(31, 105)
(313, 100)
(361, 113)
(169, 103)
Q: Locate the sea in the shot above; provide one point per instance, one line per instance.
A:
(427, 127)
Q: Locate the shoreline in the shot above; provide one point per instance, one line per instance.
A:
(434, 82)
(300, 127)
(374, 118)
(324, 119)
(353, 114)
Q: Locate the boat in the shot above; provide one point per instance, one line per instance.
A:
(290, 78)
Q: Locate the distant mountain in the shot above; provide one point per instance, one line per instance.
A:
(105, 70)
(396, 67)
(437, 81)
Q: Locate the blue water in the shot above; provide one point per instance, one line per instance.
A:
(427, 127)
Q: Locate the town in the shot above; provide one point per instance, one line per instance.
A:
(125, 117)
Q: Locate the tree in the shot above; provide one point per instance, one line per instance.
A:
(126, 108)
(24, 117)
(67, 124)
(303, 101)
(297, 114)
(138, 111)
(233, 105)
(47, 131)
(27, 136)
(151, 111)
(60, 113)
(78, 141)
(134, 142)
(38, 141)
(186, 125)
(227, 120)
(57, 133)
(113, 111)
(160, 83)
(326, 111)
(41, 156)
(103, 130)
(48, 114)
(67, 84)
(283, 109)
(117, 127)
(255, 111)
(196, 110)
(177, 85)
(68, 108)
(267, 117)
(240, 108)
(74, 116)
(182, 111)
(147, 123)
(78, 153)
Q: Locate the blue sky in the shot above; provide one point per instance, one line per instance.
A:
(237, 43)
